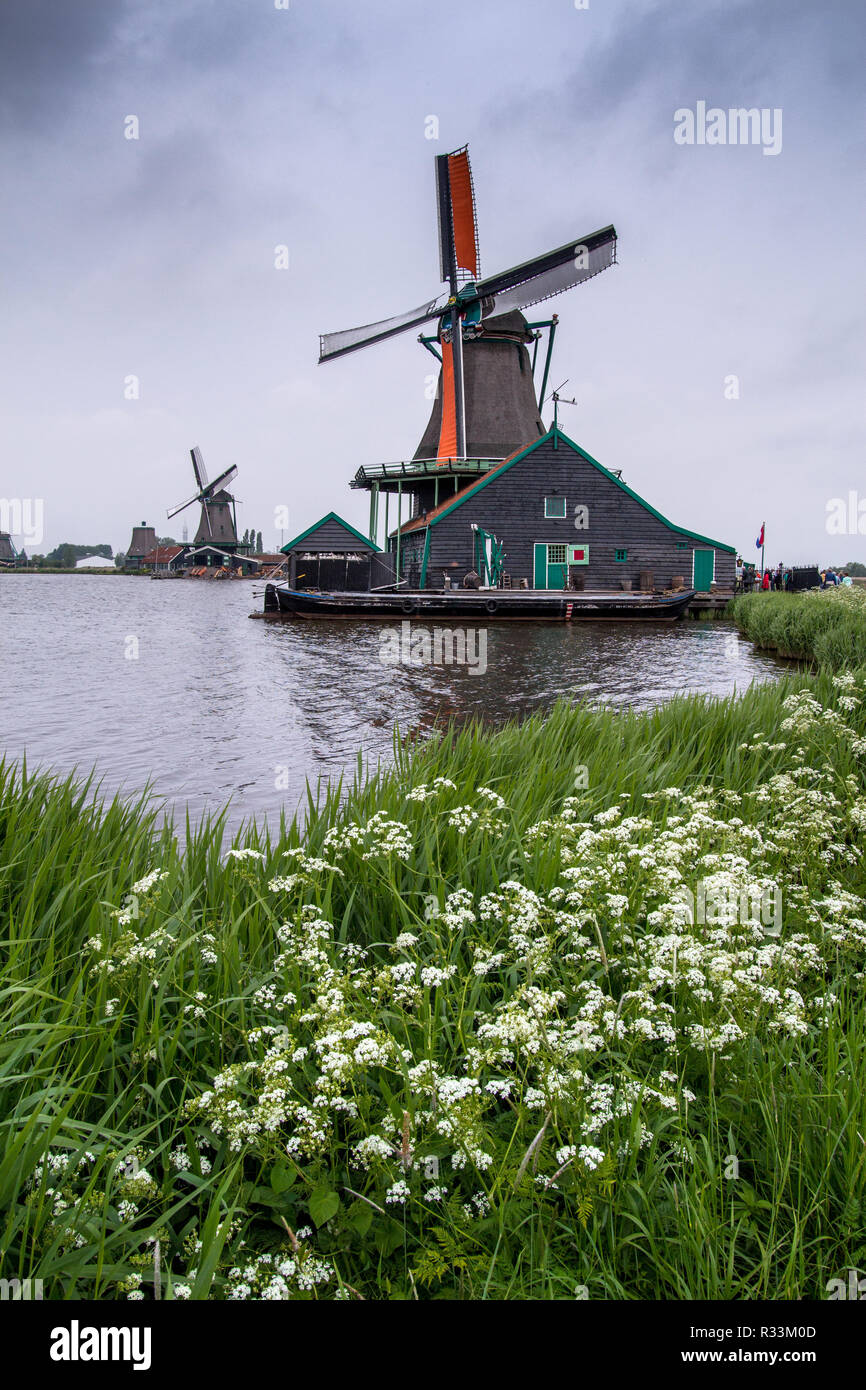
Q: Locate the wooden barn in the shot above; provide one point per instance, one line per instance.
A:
(550, 516)
(332, 555)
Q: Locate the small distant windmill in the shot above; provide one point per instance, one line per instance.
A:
(218, 523)
(475, 310)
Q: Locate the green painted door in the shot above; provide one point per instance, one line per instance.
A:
(551, 565)
(556, 575)
(557, 565)
(703, 569)
(539, 579)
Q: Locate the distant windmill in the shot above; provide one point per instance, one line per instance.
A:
(475, 311)
(218, 523)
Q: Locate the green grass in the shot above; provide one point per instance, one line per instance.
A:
(731, 1164)
(827, 627)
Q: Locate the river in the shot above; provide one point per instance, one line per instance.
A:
(169, 683)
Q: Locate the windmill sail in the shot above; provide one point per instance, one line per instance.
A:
(335, 344)
(228, 476)
(198, 467)
(458, 225)
(463, 213)
(545, 276)
(207, 491)
(179, 508)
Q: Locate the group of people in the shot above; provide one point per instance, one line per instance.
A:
(750, 578)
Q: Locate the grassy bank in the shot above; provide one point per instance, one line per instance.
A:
(463, 1040)
(827, 627)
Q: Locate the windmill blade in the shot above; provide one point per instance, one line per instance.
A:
(443, 211)
(550, 274)
(174, 511)
(198, 467)
(458, 226)
(219, 482)
(350, 339)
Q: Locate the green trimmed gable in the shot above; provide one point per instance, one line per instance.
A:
(556, 435)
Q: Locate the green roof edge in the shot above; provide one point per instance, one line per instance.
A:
(329, 516)
(555, 431)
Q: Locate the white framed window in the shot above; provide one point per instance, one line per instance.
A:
(554, 508)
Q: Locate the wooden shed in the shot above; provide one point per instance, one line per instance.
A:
(332, 556)
(553, 516)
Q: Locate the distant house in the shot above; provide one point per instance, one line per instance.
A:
(164, 557)
(266, 558)
(94, 562)
(142, 543)
(198, 557)
(332, 556)
(268, 565)
(550, 515)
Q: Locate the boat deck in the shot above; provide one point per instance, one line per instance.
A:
(484, 605)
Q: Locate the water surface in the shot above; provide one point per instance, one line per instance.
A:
(170, 682)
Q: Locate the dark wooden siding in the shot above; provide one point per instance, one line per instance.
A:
(331, 536)
(512, 507)
(426, 497)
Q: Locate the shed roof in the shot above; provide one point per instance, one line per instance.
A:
(331, 516)
(436, 515)
(92, 562)
(161, 554)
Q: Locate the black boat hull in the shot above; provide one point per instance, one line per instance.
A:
(474, 605)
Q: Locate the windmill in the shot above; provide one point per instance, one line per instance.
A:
(218, 523)
(496, 387)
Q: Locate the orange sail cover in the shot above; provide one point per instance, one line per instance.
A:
(448, 425)
(463, 212)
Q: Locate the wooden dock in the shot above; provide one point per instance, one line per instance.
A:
(715, 602)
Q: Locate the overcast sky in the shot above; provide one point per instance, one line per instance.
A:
(261, 126)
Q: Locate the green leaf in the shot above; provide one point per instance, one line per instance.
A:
(267, 1197)
(360, 1217)
(388, 1238)
(282, 1177)
(324, 1203)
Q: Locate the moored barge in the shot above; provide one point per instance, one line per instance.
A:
(474, 605)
